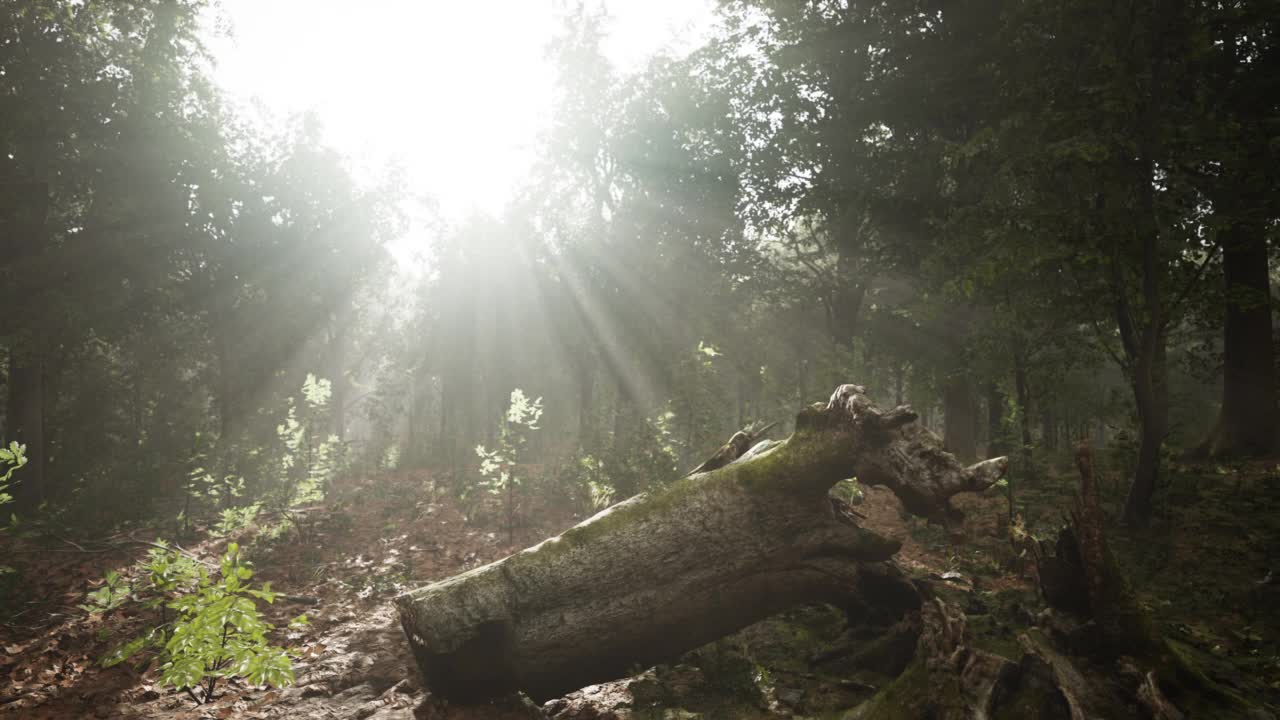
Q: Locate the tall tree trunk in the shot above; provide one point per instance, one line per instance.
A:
(24, 212)
(1146, 476)
(1150, 394)
(412, 442)
(625, 425)
(1022, 395)
(740, 393)
(899, 383)
(844, 311)
(960, 419)
(588, 438)
(336, 374)
(690, 429)
(1249, 423)
(1048, 434)
(25, 416)
(1143, 329)
(997, 443)
(802, 381)
(448, 438)
(1144, 344)
(224, 347)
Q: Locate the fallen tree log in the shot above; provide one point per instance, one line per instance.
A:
(665, 572)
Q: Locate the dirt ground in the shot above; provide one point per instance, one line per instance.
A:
(385, 535)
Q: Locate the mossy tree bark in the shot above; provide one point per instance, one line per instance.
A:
(668, 571)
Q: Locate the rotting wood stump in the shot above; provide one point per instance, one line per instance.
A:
(668, 571)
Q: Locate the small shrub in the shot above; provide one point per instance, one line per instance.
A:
(113, 593)
(848, 491)
(216, 631)
(585, 482)
(236, 519)
(498, 466)
(11, 458)
(601, 495)
(310, 459)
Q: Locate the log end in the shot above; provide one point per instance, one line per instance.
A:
(481, 667)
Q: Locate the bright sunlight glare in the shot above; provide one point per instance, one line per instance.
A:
(454, 93)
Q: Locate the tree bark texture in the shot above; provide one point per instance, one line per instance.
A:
(1149, 395)
(25, 418)
(1022, 390)
(667, 571)
(24, 210)
(1250, 421)
(960, 412)
(997, 437)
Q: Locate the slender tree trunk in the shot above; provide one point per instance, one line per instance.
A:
(1145, 348)
(1151, 397)
(850, 292)
(686, 453)
(846, 311)
(587, 436)
(960, 419)
(741, 395)
(224, 347)
(1022, 392)
(1142, 326)
(619, 410)
(412, 443)
(24, 211)
(1048, 437)
(448, 440)
(997, 443)
(802, 381)
(899, 383)
(337, 376)
(1249, 423)
(25, 415)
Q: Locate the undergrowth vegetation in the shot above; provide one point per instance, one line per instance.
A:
(206, 627)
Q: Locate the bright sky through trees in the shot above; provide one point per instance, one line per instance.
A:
(456, 92)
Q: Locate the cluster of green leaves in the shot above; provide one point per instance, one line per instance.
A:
(312, 456)
(584, 480)
(237, 518)
(222, 490)
(293, 471)
(215, 631)
(11, 458)
(498, 465)
(113, 593)
(849, 491)
(649, 452)
(204, 487)
(223, 498)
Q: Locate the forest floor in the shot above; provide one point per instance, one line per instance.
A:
(1204, 569)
